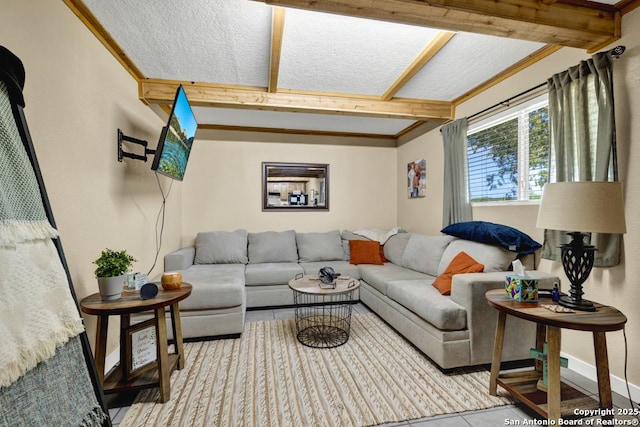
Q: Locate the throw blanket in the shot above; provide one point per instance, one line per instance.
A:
(57, 392)
(37, 311)
(377, 235)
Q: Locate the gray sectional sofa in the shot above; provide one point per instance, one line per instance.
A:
(233, 271)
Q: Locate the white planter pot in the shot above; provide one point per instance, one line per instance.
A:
(111, 287)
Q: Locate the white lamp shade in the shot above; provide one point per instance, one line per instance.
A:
(585, 206)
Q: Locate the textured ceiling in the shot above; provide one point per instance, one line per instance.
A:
(465, 62)
(340, 54)
(227, 45)
(221, 41)
(302, 121)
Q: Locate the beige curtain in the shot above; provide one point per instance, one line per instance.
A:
(456, 204)
(583, 141)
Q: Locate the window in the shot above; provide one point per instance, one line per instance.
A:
(508, 154)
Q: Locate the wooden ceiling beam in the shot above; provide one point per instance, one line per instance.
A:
(155, 91)
(627, 6)
(277, 31)
(565, 24)
(421, 60)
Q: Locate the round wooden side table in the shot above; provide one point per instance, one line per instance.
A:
(560, 399)
(137, 359)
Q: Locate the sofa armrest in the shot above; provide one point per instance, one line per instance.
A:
(468, 290)
(180, 259)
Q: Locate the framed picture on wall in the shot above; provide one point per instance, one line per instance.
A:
(417, 179)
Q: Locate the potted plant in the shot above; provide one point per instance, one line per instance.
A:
(111, 272)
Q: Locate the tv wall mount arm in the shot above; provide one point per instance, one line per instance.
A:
(122, 154)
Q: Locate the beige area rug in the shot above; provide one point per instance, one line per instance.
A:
(267, 378)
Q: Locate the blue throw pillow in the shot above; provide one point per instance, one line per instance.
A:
(494, 234)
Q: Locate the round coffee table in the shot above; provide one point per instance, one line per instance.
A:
(323, 312)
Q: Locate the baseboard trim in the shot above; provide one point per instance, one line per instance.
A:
(618, 385)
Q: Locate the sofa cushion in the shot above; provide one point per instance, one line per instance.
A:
(181, 259)
(460, 264)
(365, 252)
(346, 237)
(494, 258)
(319, 246)
(221, 247)
(342, 267)
(272, 273)
(214, 286)
(423, 253)
(395, 246)
(507, 237)
(272, 246)
(378, 276)
(425, 301)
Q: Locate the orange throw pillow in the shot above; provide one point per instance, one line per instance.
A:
(365, 252)
(382, 257)
(461, 263)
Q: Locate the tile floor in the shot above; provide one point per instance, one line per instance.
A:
(516, 414)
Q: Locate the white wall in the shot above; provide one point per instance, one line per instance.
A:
(613, 286)
(422, 214)
(222, 189)
(77, 95)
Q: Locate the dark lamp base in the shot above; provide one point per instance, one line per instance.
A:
(577, 261)
(582, 305)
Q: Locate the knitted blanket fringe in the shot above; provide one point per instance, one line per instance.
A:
(94, 418)
(45, 349)
(13, 231)
(38, 313)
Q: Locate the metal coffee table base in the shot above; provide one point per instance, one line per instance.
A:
(323, 321)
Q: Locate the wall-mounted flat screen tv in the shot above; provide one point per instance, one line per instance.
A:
(176, 139)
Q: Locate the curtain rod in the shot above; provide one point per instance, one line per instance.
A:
(506, 101)
(615, 53)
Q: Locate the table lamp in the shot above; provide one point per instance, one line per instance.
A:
(581, 207)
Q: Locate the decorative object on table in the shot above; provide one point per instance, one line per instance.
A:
(149, 291)
(112, 266)
(136, 280)
(543, 356)
(141, 347)
(351, 282)
(518, 286)
(521, 289)
(171, 280)
(328, 277)
(555, 293)
(557, 308)
(584, 207)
